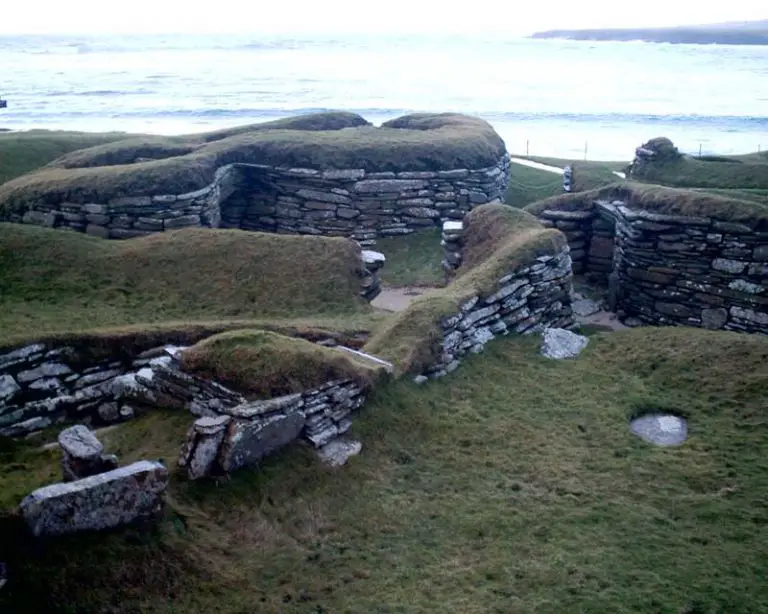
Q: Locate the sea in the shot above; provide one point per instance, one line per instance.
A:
(573, 99)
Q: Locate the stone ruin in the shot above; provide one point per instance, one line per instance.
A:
(659, 149)
(96, 494)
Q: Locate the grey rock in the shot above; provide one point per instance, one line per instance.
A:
(8, 387)
(109, 412)
(728, 266)
(741, 285)
(248, 441)
(78, 442)
(714, 319)
(344, 174)
(21, 354)
(660, 429)
(585, 307)
(337, 452)
(559, 343)
(200, 453)
(98, 502)
(755, 317)
(46, 384)
(420, 379)
(372, 186)
(254, 409)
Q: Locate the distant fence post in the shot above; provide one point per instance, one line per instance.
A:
(586, 146)
(527, 142)
(699, 150)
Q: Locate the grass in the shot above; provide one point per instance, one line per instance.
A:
(265, 364)
(720, 172)
(529, 185)
(413, 143)
(22, 152)
(500, 239)
(412, 260)
(511, 486)
(54, 282)
(662, 199)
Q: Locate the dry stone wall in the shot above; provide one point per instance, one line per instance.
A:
(672, 269)
(528, 300)
(338, 202)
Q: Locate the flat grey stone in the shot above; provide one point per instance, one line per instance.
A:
(80, 443)
(8, 387)
(559, 343)
(97, 502)
(660, 429)
(337, 452)
(585, 307)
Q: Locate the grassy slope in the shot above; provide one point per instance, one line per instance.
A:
(742, 172)
(412, 260)
(264, 364)
(529, 185)
(53, 281)
(22, 152)
(511, 486)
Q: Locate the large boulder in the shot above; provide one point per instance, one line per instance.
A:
(81, 454)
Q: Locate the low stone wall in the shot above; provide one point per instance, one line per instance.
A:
(528, 300)
(43, 384)
(242, 435)
(339, 202)
(672, 269)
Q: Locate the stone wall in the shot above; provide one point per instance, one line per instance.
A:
(344, 202)
(528, 300)
(672, 269)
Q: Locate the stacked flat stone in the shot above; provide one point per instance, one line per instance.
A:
(82, 454)
(527, 300)
(42, 384)
(452, 242)
(244, 434)
(349, 203)
(372, 263)
(590, 237)
(672, 269)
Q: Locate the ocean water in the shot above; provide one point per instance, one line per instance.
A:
(562, 98)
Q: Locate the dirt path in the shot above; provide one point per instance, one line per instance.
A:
(397, 299)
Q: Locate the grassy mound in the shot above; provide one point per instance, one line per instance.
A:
(736, 172)
(413, 143)
(513, 485)
(661, 199)
(500, 239)
(264, 364)
(22, 152)
(58, 281)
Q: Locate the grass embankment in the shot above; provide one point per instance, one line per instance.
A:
(412, 260)
(529, 185)
(413, 143)
(22, 152)
(513, 485)
(743, 173)
(264, 364)
(499, 239)
(53, 281)
(661, 199)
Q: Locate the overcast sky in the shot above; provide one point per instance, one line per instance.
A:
(342, 16)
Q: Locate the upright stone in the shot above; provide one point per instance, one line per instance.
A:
(82, 454)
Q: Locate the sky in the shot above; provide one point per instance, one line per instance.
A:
(347, 16)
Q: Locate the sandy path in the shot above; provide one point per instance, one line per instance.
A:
(397, 299)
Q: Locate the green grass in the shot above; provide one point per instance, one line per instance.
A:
(22, 152)
(738, 172)
(265, 364)
(754, 195)
(529, 185)
(511, 486)
(412, 260)
(662, 199)
(53, 281)
(499, 239)
(413, 143)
